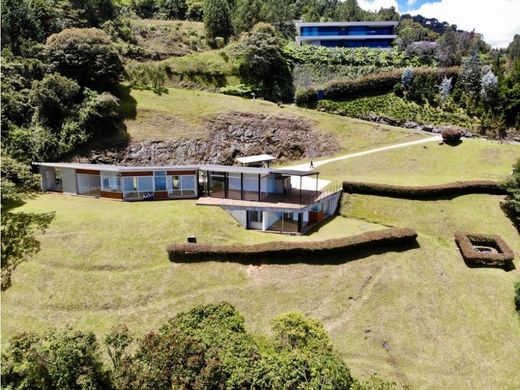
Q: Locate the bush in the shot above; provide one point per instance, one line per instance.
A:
(424, 192)
(400, 110)
(291, 251)
(451, 135)
(242, 90)
(504, 256)
(305, 96)
(381, 82)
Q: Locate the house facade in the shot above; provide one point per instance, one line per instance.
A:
(347, 34)
(260, 198)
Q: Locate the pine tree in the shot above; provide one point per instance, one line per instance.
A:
(217, 19)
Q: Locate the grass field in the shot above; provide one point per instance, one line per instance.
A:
(420, 317)
(431, 163)
(181, 113)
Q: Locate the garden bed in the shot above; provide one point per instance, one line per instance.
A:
(481, 249)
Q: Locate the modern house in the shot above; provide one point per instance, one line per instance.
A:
(258, 197)
(347, 34)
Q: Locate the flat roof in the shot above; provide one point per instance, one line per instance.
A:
(207, 167)
(115, 168)
(347, 24)
(257, 158)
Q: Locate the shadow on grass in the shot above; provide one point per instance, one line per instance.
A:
(508, 267)
(318, 258)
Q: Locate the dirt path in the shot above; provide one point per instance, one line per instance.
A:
(319, 163)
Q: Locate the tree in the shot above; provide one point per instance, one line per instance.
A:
(264, 62)
(195, 10)
(247, 14)
(85, 55)
(349, 10)
(448, 53)
(53, 97)
(18, 241)
(407, 78)
(65, 360)
(410, 31)
(512, 203)
(470, 75)
(489, 87)
(445, 88)
(217, 19)
(513, 49)
(173, 9)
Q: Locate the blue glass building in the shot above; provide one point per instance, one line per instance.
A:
(347, 34)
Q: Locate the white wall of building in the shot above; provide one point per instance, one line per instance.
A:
(68, 177)
(239, 215)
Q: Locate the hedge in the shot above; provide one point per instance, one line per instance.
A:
(466, 243)
(426, 192)
(279, 251)
(377, 82)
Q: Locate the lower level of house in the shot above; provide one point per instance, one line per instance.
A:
(297, 221)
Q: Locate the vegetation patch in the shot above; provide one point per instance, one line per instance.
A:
(301, 252)
(398, 110)
(480, 249)
(425, 192)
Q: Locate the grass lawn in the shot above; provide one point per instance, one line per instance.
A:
(104, 261)
(181, 113)
(431, 163)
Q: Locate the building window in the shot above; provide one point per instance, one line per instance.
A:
(181, 185)
(110, 182)
(160, 181)
(256, 216)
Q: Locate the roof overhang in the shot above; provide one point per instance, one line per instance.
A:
(115, 168)
(255, 159)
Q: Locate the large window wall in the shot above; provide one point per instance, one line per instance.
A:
(110, 182)
(241, 186)
(316, 31)
(177, 186)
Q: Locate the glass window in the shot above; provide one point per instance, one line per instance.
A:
(160, 181)
(188, 185)
(217, 185)
(110, 181)
(145, 183)
(255, 216)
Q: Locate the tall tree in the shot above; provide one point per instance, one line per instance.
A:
(217, 19)
(247, 14)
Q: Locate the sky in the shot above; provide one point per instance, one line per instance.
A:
(497, 20)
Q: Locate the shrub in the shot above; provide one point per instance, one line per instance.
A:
(451, 135)
(291, 251)
(305, 96)
(425, 192)
(241, 90)
(503, 257)
(381, 82)
(220, 42)
(390, 105)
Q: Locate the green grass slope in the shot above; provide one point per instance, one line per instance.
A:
(181, 113)
(430, 163)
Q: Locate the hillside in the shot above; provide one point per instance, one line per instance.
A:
(179, 120)
(421, 317)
